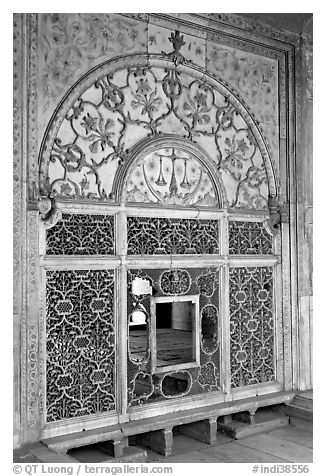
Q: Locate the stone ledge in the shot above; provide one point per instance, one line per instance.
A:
(116, 433)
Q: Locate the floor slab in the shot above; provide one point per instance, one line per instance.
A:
(281, 448)
(235, 452)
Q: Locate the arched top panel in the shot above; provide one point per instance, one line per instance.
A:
(148, 105)
(169, 170)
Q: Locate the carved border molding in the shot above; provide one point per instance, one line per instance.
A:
(231, 23)
(18, 225)
(33, 103)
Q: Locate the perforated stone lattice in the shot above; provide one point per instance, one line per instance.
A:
(80, 364)
(204, 378)
(249, 238)
(81, 234)
(155, 236)
(80, 324)
(251, 326)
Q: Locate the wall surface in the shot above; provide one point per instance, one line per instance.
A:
(305, 206)
(53, 51)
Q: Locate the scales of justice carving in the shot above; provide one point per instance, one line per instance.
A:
(170, 176)
(94, 133)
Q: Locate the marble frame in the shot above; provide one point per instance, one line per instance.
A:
(28, 303)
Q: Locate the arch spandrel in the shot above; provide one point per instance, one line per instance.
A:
(131, 100)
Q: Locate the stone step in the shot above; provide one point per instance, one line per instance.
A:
(300, 410)
(301, 402)
(240, 426)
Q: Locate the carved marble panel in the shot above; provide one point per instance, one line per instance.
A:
(71, 44)
(249, 238)
(144, 386)
(78, 234)
(151, 236)
(255, 78)
(158, 41)
(251, 326)
(170, 176)
(135, 103)
(80, 343)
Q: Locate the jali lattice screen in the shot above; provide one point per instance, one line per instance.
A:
(80, 343)
(251, 326)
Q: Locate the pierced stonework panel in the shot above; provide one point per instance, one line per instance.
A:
(209, 329)
(71, 44)
(251, 326)
(175, 282)
(170, 176)
(80, 364)
(255, 77)
(209, 377)
(77, 234)
(146, 387)
(249, 238)
(161, 236)
(127, 104)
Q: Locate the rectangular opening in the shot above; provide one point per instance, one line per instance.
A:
(175, 333)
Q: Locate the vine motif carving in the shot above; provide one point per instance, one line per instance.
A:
(17, 160)
(208, 377)
(33, 375)
(249, 238)
(80, 343)
(31, 327)
(78, 234)
(143, 101)
(251, 326)
(209, 340)
(208, 283)
(33, 146)
(72, 44)
(141, 388)
(172, 236)
(175, 281)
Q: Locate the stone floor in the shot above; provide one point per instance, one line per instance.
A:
(287, 444)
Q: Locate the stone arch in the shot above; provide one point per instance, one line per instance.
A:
(149, 97)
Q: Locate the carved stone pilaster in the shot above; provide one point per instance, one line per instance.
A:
(32, 140)
(33, 383)
(18, 213)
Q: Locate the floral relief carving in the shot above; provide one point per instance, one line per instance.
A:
(251, 326)
(72, 43)
(135, 103)
(208, 377)
(80, 343)
(148, 236)
(78, 234)
(255, 78)
(144, 386)
(250, 238)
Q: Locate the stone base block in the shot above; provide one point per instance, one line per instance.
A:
(204, 431)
